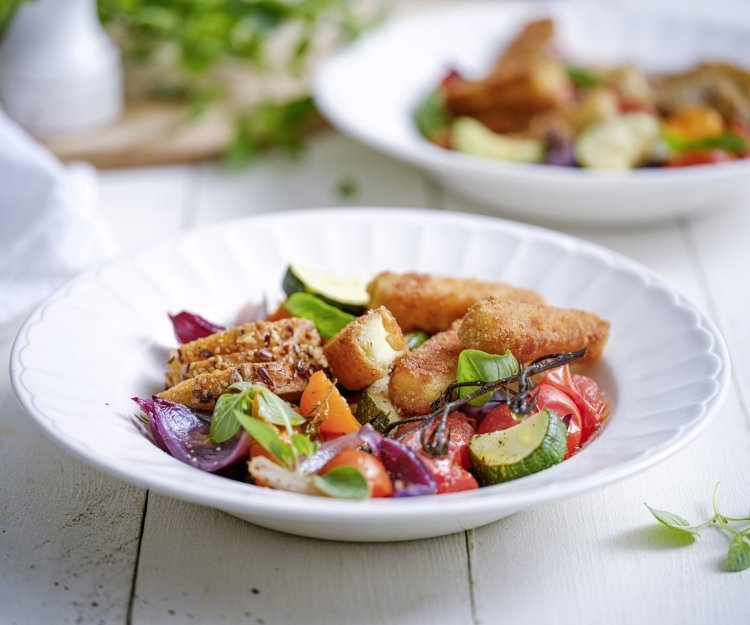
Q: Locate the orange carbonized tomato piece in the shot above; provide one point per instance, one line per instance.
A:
(369, 466)
(336, 416)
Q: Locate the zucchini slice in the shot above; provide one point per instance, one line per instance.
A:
(375, 408)
(346, 292)
(533, 445)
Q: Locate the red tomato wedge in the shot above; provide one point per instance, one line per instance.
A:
(450, 471)
(585, 394)
(369, 466)
(548, 398)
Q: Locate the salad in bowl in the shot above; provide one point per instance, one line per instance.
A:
(393, 385)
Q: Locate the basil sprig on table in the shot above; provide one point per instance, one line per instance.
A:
(738, 556)
(474, 364)
(328, 319)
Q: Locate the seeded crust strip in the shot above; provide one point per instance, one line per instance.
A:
(292, 352)
(421, 376)
(250, 336)
(431, 303)
(283, 378)
(531, 331)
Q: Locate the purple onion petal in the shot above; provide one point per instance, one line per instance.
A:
(185, 436)
(409, 474)
(330, 449)
(147, 407)
(190, 327)
(252, 311)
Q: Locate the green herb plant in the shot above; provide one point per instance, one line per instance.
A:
(738, 556)
(474, 364)
(204, 33)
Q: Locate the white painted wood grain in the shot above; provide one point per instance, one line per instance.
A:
(312, 180)
(68, 533)
(203, 566)
(144, 204)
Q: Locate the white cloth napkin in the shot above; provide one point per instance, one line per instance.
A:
(49, 228)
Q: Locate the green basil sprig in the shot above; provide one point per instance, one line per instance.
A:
(738, 556)
(343, 483)
(474, 364)
(328, 319)
(729, 142)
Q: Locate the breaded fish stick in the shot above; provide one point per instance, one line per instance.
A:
(365, 350)
(421, 376)
(429, 303)
(531, 330)
(249, 336)
(283, 378)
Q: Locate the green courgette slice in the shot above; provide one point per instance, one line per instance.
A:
(347, 292)
(533, 445)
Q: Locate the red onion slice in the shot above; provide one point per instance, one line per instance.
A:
(185, 435)
(191, 327)
(409, 474)
(328, 450)
(147, 407)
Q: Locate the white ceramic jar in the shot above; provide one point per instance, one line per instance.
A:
(59, 71)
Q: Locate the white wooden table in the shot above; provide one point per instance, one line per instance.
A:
(78, 546)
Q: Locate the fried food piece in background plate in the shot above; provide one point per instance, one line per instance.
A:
(247, 337)
(422, 375)
(283, 378)
(365, 350)
(430, 303)
(532, 330)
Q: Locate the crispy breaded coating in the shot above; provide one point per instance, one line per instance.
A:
(430, 303)
(249, 336)
(422, 375)
(289, 351)
(531, 330)
(283, 378)
(365, 350)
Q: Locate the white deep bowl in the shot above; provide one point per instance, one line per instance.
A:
(105, 337)
(370, 90)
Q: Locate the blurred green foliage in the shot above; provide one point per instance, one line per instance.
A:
(206, 32)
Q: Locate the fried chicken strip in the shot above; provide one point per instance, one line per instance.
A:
(283, 378)
(532, 330)
(365, 350)
(422, 375)
(429, 303)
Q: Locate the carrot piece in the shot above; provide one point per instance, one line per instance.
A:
(322, 397)
(278, 314)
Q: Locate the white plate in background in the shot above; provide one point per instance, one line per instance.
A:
(370, 89)
(105, 337)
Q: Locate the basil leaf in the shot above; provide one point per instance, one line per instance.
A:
(224, 425)
(582, 78)
(474, 364)
(328, 319)
(304, 445)
(728, 141)
(415, 339)
(267, 437)
(738, 558)
(343, 483)
(275, 410)
(431, 115)
(673, 521)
